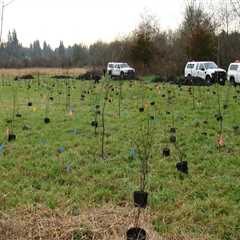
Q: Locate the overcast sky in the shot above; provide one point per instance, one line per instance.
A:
(76, 21)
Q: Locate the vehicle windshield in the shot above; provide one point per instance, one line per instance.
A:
(210, 65)
(124, 65)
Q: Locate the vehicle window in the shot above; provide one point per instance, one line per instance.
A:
(201, 66)
(190, 66)
(110, 65)
(124, 65)
(210, 65)
(234, 67)
(197, 66)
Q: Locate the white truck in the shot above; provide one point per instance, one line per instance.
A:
(121, 70)
(233, 74)
(207, 72)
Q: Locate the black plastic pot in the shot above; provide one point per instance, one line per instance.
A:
(51, 98)
(173, 139)
(235, 128)
(219, 117)
(140, 199)
(18, 115)
(136, 234)
(163, 96)
(94, 124)
(141, 109)
(11, 137)
(46, 120)
(182, 167)
(97, 106)
(225, 106)
(29, 104)
(168, 113)
(152, 117)
(173, 130)
(152, 103)
(166, 152)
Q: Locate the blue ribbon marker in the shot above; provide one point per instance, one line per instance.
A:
(1, 148)
(132, 153)
(61, 150)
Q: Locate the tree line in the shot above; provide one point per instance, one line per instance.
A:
(148, 48)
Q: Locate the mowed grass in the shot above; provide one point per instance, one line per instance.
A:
(32, 171)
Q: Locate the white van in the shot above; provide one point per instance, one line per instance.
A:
(122, 70)
(207, 71)
(233, 74)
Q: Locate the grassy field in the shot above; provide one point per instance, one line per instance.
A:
(42, 71)
(59, 166)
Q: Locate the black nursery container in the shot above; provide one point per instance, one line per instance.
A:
(173, 139)
(136, 234)
(225, 106)
(46, 120)
(30, 104)
(11, 137)
(235, 128)
(182, 167)
(173, 130)
(94, 124)
(140, 199)
(219, 117)
(166, 152)
(141, 109)
(152, 117)
(18, 115)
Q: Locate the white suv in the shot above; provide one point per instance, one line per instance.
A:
(207, 71)
(234, 73)
(121, 70)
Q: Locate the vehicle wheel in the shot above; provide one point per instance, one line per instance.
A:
(208, 80)
(232, 81)
(110, 73)
(122, 76)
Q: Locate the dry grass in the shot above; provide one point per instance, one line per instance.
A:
(42, 71)
(96, 224)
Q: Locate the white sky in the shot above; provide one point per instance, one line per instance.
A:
(84, 21)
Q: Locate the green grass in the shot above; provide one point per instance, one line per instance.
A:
(206, 202)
